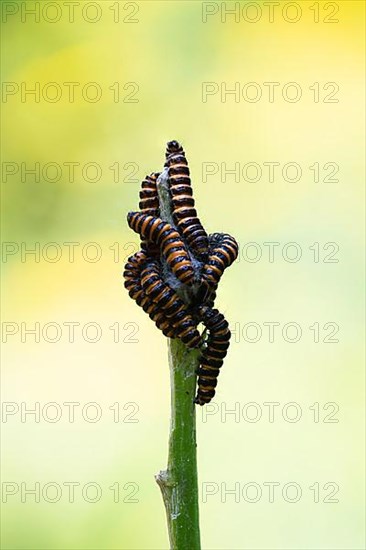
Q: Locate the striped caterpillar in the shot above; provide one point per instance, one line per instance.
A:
(213, 354)
(168, 240)
(197, 262)
(183, 211)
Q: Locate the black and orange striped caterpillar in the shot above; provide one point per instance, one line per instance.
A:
(173, 307)
(175, 276)
(183, 211)
(223, 252)
(132, 276)
(163, 235)
(149, 204)
(213, 353)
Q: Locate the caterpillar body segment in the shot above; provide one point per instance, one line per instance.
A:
(183, 210)
(132, 277)
(159, 291)
(172, 306)
(213, 354)
(163, 235)
(149, 204)
(149, 199)
(223, 252)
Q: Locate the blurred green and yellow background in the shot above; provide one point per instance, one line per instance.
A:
(150, 61)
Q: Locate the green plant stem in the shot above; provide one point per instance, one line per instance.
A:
(178, 483)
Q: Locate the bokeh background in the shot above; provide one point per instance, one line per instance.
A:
(167, 52)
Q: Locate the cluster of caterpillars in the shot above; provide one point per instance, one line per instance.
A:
(175, 275)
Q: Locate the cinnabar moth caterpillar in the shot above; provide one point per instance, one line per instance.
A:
(149, 204)
(170, 303)
(212, 356)
(168, 240)
(183, 211)
(223, 252)
(132, 276)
